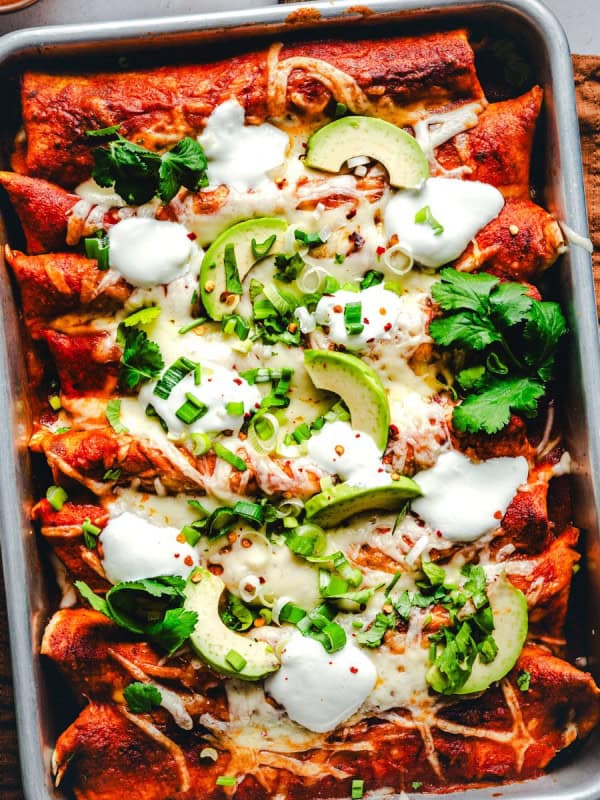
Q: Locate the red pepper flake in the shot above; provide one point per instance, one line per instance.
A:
(188, 561)
(387, 326)
(498, 515)
(216, 569)
(354, 670)
(394, 430)
(176, 555)
(380, 250)
(237, 381)
(338, 309)
(365, 320)
(192, 236)
(383, 311)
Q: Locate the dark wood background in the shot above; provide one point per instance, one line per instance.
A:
(587, 81)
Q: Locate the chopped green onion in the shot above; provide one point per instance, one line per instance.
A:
(291, 613)
(339, 258)
(335, 637)
(143, 316)
(112, 474)
(251, 512)
(415, 785)
(371, 278)
(358, 789)
(353, 318)
(235, 408)
(231, 458)
(330, 285)
(425, 217)
(113, 415)
(263, 432)
(306, 540)
(331, 585)
(233, 284)
(288, 267)
(235, 660)
(97, 247)
(524, 680)
(90, 532)
(260, 250)
(263, 309)
(62, 430)
(192, 535)
(192, 410)
(309, 239)
(200, 443)
(173, 375)
(233, 324)
(341, 109)
(266, 614)
(302, 433)
(55, 403)
(57, 497)
(195, 323)
(226, 780)
(276, 299)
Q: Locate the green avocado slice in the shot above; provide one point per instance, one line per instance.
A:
(331, 146)
(509, 607)
(358, 385)
(224, 650)
(331, 507)
(212, 270)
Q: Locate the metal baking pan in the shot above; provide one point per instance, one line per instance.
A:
(575, 776)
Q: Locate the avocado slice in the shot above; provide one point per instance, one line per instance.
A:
(240, 235)
(358, 385)
(509, 607)
(331, 146)
(224, 650)
(333, 506)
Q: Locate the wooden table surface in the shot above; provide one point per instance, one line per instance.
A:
(587, 80)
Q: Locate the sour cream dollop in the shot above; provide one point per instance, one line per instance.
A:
(240, 156)
(147, 252)
(463, 499)
(218, 387)
(338, 449)
(383, 314)
(320, 690)
(463, 208)
(134, 548)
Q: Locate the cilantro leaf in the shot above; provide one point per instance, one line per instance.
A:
(471, 378)
(459, 290)
(490, 410)
(510, 303)
(97, 603)
(141, 360)
(544, 327)
(139, 174)
(373, 637)
(464, 329)
(172, 631)
(132, 169)
(183, 165)
(288, 267)
(142, 697)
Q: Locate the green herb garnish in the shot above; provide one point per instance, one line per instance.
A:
(142, 697)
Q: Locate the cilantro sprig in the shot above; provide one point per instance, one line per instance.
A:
(141, 359)
(510, 339)
(153, 607)
(139, 174)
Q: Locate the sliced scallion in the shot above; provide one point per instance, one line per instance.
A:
(200, 443)
(192, 410)
(195, 323)
(54, 402)
(250, 512)
(276, 299)
(231, 458)
(226, 780)
(235, 660)
(97, 247)
(353, 318)
(234, 408)
(57, 497)
(173, 375)
(113, 415)
(90, 532)
(291, 613)
(192, 535)
(425, 217)
(309, 239)
(234, 325)
(358, 789)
